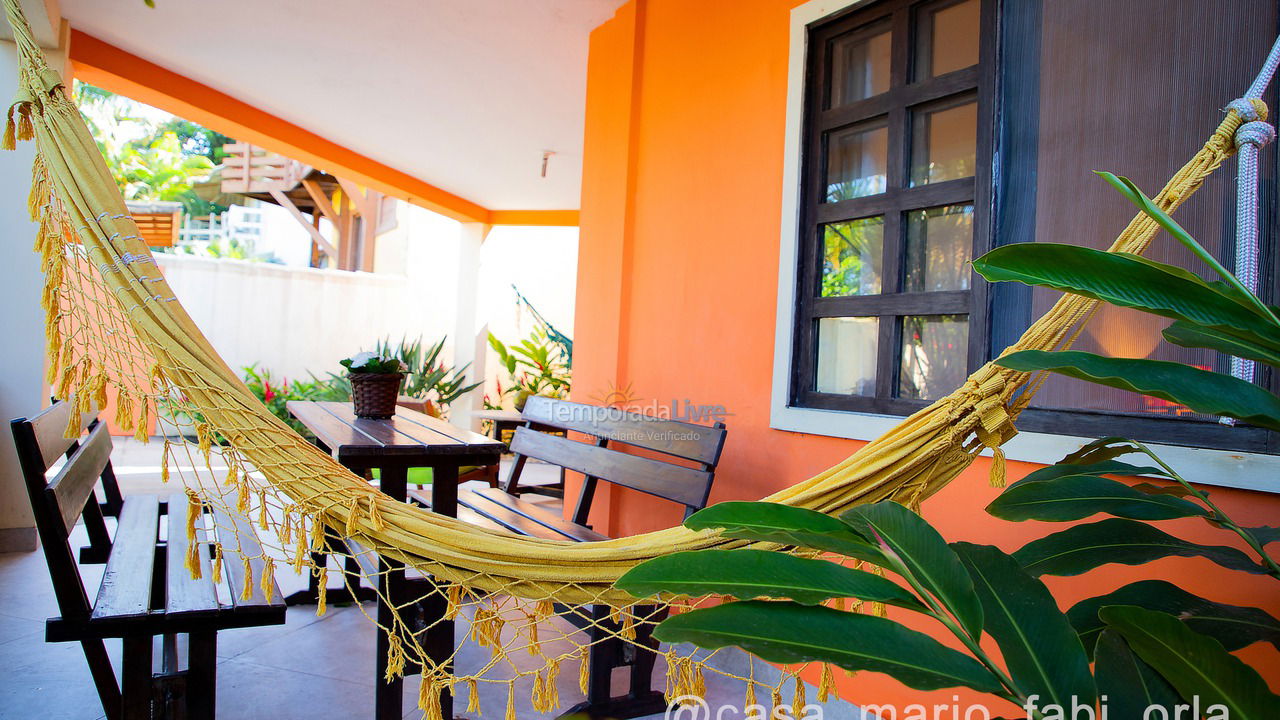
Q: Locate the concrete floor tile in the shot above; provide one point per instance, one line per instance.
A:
(49, 681)
(248, 691)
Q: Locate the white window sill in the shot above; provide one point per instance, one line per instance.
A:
(1222, 468)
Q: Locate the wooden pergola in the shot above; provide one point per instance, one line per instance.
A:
(358, 214)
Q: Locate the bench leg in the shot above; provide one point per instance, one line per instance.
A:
(202, 675)
(646, 655)
(136, 679)
(605, 654)
(104, 678)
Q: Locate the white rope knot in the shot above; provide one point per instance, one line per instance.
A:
(1245, 108)
(1255, 133)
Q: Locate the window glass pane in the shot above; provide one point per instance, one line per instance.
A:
(944, 143)
(935, 351)
(947, 39)
(847, 355)
(852, 254)
(860, 64)
(938, 248)
(856, 161)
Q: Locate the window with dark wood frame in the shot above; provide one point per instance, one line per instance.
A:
(898, 126)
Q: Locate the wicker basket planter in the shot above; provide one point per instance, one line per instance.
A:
(374, 394)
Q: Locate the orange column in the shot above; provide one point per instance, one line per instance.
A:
(608, 183)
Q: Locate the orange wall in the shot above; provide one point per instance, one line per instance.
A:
(677, 278)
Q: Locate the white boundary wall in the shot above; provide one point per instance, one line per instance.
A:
(292, 320)
(295, 320)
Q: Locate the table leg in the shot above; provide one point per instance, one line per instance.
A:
(389, 696)
(439, 641)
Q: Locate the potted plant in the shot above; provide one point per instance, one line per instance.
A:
(375, 383)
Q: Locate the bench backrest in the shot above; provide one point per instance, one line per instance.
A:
(59, 501)
(689, 486)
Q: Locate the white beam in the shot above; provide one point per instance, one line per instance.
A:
(465, 348)
(287, 203)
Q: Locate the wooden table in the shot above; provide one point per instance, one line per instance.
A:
(409, 439)
(507, 421)
(503, 420)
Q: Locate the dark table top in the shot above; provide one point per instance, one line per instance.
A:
(410, 437)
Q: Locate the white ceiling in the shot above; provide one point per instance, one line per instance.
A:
(463, 94)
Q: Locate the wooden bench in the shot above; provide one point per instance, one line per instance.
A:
(147, 596)
(685, 478)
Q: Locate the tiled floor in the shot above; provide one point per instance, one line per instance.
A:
(308, 668)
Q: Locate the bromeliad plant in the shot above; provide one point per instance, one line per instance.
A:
(428, 378)
(1148, 644)
(537, 365)
(276, 394)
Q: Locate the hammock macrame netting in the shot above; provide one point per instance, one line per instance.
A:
(116, 332)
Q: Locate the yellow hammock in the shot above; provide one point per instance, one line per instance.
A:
(115, 330)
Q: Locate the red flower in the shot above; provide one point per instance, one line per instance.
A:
(267, 394)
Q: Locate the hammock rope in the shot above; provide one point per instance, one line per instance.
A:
(1249, 139)
(117, 334)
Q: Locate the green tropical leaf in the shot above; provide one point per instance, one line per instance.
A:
(784, 525)
(787, 632)
(1126, 281)
(747, 574)
(1129, 685)
(1195, 336)
(1082, 548)
(1104, 467)
(1197, 666)
(917, 552)
(1234, 626)
(1135, 195)
(1040, 648)
(1078, 496)
(1202, 391)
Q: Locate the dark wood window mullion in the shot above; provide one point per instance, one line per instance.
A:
(949, 192)
(917, 94)
(901, 48)
(896, 174)
(890, 284)
(884, 360)
(942, 302)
